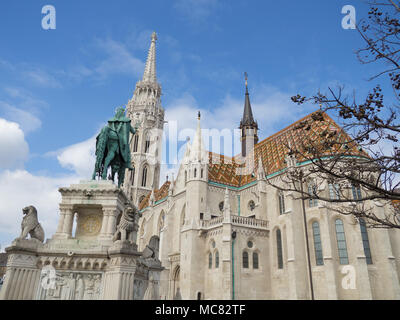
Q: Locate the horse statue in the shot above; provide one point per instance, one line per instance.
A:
(112, 148)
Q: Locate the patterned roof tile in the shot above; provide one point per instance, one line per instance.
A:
(273, 150)
(158, 195)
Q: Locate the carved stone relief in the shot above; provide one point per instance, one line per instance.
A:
(71, 286)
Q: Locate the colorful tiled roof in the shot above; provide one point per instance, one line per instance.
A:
(158, 195)
(273, 150)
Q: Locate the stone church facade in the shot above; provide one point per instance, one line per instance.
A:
(225, 234)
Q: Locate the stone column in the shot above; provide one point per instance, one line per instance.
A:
(290, 261)
(387, 259)
(297, 265)
(329, 263)
(112, 220)
(104, 224)
(68, 222)
(362, 276)
(229, 284)
(62, 228)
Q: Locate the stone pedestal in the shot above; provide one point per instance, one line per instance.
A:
(120, 276)
(22, 274)
(86, 265)
(96, 205)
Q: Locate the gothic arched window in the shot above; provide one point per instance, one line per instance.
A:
(281, 200)
(255, 260)
(279, 249)
(245, 259)
(144, 176)
(319, 259)
(135, 142)
(216, 259)
(341, 242)
(334, 191)
(147, 144)
(209, 260)
(365, 241)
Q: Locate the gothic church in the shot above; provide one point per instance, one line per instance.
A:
(227, 235)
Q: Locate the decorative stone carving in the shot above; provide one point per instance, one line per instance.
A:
(128, 223)
(30, 225)
(72, 286)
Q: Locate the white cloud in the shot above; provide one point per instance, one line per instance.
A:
(272, 109)
(118, 59)
(79, 157)
(20, 188)
(41, 78)
(196, 10)
(13, 147)
(27, 120)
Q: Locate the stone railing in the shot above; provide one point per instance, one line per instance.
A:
(236, 220)
(251, 222)
(212, 222)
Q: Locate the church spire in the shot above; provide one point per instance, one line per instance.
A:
(248, 118)
(149, 74)
(198, 145)
(146, 113)
(248, 125)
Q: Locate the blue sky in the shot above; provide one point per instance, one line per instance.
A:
(58, 87)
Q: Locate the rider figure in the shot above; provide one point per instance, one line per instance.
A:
(120, 127)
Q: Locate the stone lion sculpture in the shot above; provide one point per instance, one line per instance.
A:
(30, 225)
(127, 223)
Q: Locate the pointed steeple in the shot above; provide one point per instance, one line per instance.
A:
(146, 113)
(149, 74)
(197, 152)
(248, 125)
(247, 119)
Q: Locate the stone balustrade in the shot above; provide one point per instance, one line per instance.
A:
(236, 220)
(249, 222)
(212, 222)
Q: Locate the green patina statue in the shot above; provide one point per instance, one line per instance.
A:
(112, 148)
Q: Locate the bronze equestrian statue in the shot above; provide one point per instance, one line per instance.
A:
(112, 147)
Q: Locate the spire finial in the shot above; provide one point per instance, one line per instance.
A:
(198, 115)
(149, 74)
(245, 79)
